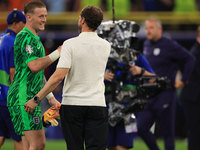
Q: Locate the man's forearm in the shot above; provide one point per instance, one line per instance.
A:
(39, 64)
(50, 95)
(51, 84)
(43, 62)
(147, 73)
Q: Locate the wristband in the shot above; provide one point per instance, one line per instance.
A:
(54, 55)
(142, 72)
(50, 95)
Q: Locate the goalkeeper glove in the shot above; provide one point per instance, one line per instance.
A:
(50, 116)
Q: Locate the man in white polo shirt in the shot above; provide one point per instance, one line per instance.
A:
(82, 63)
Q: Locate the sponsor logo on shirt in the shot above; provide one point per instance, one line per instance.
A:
(156, 51)
(29, 49)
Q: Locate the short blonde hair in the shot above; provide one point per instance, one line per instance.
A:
(159, 23)
(30, 6)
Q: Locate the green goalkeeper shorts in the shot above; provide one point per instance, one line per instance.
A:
(23, 121)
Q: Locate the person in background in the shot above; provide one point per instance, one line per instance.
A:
(190, 99)
(164, 55)
(118, 137)
(16, 21)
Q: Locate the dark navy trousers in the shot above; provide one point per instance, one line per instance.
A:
(161, 108)
(192, 115)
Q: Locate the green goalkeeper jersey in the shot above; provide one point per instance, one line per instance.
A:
(26, 84)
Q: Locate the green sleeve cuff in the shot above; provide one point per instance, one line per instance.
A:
(31, 59)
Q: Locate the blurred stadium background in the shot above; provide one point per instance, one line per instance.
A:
(180, 21)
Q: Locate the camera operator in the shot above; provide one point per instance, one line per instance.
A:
(164, 56)
(118, 138)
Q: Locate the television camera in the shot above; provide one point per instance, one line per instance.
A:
(124, 44)
(122, 37)
(146, 87)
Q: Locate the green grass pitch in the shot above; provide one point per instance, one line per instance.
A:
(60, 145)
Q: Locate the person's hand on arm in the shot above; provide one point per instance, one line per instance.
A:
(136, 70)
(51, 84)
(108, 76)
(59, 48)
(179, 84)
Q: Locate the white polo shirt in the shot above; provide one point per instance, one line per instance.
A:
(86, 57)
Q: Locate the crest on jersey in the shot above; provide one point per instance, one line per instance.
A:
(29, 49)
(156, 51)
(36, 120)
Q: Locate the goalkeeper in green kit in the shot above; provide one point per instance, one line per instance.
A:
(30, 62)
